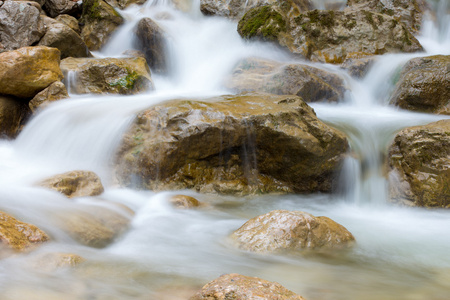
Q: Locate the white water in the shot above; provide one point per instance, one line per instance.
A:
(402, 253)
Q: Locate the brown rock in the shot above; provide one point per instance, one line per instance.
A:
(58, 7)
(282, 230)
(12, 113)
(240, 287)
(358, 64)
(183, 201)
(54, 92)
(75, 184)
(27, 71)
(69, 21)
(419, 161)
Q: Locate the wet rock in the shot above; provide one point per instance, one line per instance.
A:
(358, 64)
(54, 92)
(100, 20)
(133, 53)
(12, 113)
(75, 184)
(27, 71)
(69, 21)
(312, 84)
(328, 36)
(19, 236)
(244, 144)
(50, 262)
(20, 25)
(240, 287)
(282, 230)
(55, 8)
(151, 40)
(424, 85)
(183, 201)
(419, 165)
(122, 4)
(62, 37)
(108, 75)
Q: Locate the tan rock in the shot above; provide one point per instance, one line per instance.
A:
(282, 230)
(358, 64)
(69, 21)
(183, 201)
(240, 287)
(12, 114)
(75, 184)
(54, 92)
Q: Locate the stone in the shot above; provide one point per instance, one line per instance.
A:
(125, 3)
(284, 231)
(358, 64)
(150, 39)
(19, 236)
(13, 112)
(243, 144)
(62, 37)
(100, 20)
(183, 201)
(20, 25)
(54, 92)
(108, 75)
(310, 83)
(50, 262)
(75, 184)
(27, 71)
(69, 21)
(419, 165)
(240, 287)
(424, 85)
(55, 8)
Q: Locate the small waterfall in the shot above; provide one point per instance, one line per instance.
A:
(70, 81)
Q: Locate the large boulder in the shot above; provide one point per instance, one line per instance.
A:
(283, 230)
(27, 71)
(20, 25)
(240, 287)
(62, 37)
(150, 39)
(310, 83)
(419, 161)
(75, 184)
(19, 236)
(12, 113)
(424, 85)
(69, 21)
(244, 144)
(54, 92)
(328, 36)
(55, 8)
(108, 75)
(100, 20)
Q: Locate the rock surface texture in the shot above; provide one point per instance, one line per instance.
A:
(282, 230)
(245, 144)
(12, 113)
(419, 161)
(54, 92)
(55, 8)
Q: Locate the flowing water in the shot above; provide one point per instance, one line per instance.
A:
(401, 253)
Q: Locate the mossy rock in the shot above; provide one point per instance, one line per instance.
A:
(264, 22)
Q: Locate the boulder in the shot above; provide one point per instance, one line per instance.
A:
(424, 85)
(244, 144)
(20, 25)
(12, 113)
(54, 92)
(75, 184)
(27, 71)
(183, 201)
(108, 75)
(55, 8)
(122, 4)
(310, 83)
(240, 287)
(328, 36)
(150, 39)
(100, 20)
(19, 236)
(283, 230)
(69, 21)
(358, 64)
(62, 37)
(419, 164)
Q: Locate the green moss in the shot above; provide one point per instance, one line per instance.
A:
(369, 18)
(261, 21)
(91, 9)
(127, 82)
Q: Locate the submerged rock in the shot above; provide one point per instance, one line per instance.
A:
(244, 144)
(12, 113)
(54, 92)
(419, 161)
(424, 85)
(75, 184)
(282, 230)
(240, 287)
(50, 262)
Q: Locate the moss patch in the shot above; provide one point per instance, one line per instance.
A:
(262, 21)
(127, 82)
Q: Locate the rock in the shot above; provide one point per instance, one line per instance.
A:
(27, 71)
(424, 85)
(283, 230)
(34, 4)
(125, 3)
(240, 287)
(108, 75)
(20, 25)
(328, 36)
(55, 8)
(50, 262)
(19, 236)
(133, 53)
(38, 2)
(12, 113)
(420, 166)
(69, 21)
(54, 92)
(183, 201)
(358, 64)
(62, 37)
(244, 144)
(150, 39)
(75, 184)
(312, 84)
(100, 21)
